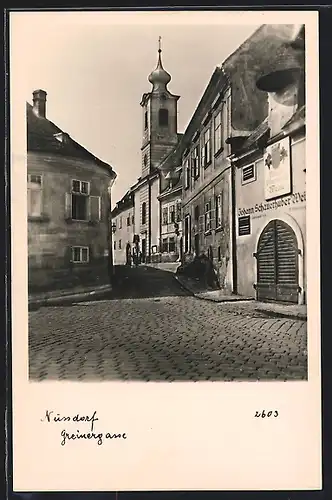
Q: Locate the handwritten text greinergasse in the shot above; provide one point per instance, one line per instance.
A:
(53, 417)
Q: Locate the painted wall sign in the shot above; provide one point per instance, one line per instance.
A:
(286, 201)
(277, 169)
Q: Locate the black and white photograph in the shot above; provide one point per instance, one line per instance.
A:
(165, 233)
(167, 242)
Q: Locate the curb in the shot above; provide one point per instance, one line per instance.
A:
(60, 299)
(278, 314)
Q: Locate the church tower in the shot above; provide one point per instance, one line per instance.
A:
(159, 108)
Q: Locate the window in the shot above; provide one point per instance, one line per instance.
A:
(217, 133)
(145, 120)
(81, 187)
(144, 213)
(219, 210)
(195, 162)
(163, 117)
(187, 174)
(145, 160)
(206, 148)
(178, 211)
(120, 222)
(208, 216)
(34, 195)
(119, 244)
(219, 254)
(80, 200)
(128, 220)
(196, 212)
(114, 245)
(171, 244)
(165, 215)
(172, 214)
(187, 235)
(244, 225)
(164, 246)
(80, 254)
(132, 220)
(248, 173)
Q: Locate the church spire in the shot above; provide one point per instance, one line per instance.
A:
(159, 77)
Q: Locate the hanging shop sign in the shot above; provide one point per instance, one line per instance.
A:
(277, 169)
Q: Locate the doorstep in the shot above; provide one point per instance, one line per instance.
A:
(74, 293)
(292, 311)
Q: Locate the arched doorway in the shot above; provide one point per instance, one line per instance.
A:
(277, 263)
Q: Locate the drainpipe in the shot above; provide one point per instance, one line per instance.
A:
(233, 229)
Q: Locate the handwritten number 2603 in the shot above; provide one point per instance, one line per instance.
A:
(268, 414)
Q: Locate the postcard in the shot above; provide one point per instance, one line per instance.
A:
(165, 250)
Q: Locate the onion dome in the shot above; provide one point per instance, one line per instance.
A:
(159, 77)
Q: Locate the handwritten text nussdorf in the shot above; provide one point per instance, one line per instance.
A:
(88, 434)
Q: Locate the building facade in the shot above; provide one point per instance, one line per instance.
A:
(123, 228)
(171, 219)
(68, 194)
(271, 187)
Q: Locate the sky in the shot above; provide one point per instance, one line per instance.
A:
(94, 67)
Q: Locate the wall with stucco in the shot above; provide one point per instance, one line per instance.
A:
(250, 199)
(51, 236)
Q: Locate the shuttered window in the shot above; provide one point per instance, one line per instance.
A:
(164, 246)
(187, 174)
(207, 222)
(171, 244)
(34, 195)
(206, 148)
(219, 210)
(248, 173)
(144, 213)
(165, 215)
(79, 205)
(217, 133)
(195, 162)
(244, 225)
(178, 211)
(172, 214)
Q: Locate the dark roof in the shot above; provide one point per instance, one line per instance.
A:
(261, 130)
(127, 201)
(41, 134)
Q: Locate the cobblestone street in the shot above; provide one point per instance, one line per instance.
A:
(151, 329)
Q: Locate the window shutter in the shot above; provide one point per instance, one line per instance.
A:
(201, 223)
(68, 206)
(213, 219)
(95, 208)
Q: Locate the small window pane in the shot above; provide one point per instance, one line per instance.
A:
(76, 254)
(84, 255)
(84, 187)
(76, 186)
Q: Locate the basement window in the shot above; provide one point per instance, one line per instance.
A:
(244, 225)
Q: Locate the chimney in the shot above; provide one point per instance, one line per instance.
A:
(39, 103)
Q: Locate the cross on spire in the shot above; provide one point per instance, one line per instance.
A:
(159, 44)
